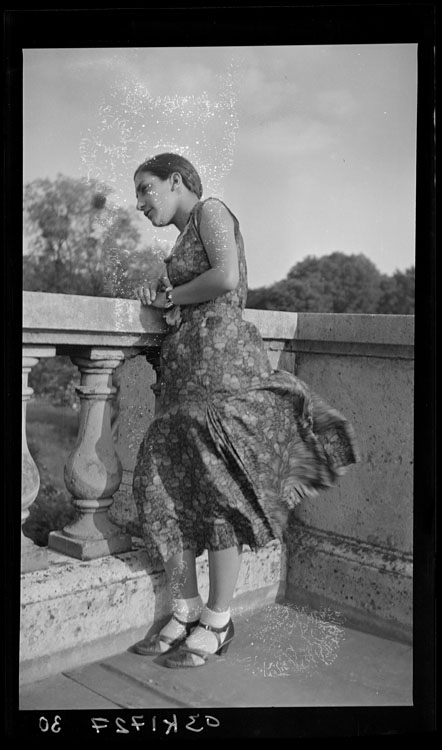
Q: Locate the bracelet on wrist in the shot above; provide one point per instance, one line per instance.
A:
(169, 301)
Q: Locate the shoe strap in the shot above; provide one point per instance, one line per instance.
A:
(186, 624)
(212, 628)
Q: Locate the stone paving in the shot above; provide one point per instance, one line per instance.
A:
(282, 656)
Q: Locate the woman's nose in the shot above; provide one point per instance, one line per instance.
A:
(140, 204)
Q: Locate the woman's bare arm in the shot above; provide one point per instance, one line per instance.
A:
(218, 235)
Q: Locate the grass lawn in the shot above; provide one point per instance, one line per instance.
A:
(51, 434)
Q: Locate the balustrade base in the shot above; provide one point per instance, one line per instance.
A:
(89, 549)
(371, 586)
(80, 611)
(33, 557)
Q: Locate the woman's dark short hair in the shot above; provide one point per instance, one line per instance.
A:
(163, 165)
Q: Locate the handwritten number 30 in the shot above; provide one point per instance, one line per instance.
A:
(44, 724)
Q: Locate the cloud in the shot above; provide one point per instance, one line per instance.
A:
(290, 137)
(261, 95)
(338, 103)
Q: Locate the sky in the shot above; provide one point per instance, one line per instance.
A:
(313, 148)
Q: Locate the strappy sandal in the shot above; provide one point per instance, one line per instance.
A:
(151, 646)
(182, 657)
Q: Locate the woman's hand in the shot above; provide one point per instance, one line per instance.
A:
(151, 293)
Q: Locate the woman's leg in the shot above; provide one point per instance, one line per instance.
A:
(186, 601)
(224, 568)
(186, 604)
(181, 575)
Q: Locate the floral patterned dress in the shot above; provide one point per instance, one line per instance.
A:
(235, 445)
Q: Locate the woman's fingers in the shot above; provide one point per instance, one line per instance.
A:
(153, 288)
(139, 293)
(147, 293)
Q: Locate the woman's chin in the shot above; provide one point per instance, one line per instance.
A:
(156, 222)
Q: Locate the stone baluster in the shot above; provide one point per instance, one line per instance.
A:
(93, 471)
(33, 557)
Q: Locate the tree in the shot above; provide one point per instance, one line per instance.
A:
(79, 243)
(397, 293)
(275, 297)
(127, 269)
(332, 283)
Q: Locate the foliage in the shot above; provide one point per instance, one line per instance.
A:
(78, 243)
(51, 511)
(51, 435)
(129, 269)
(54, 380)
(397, 293)
(338, 283)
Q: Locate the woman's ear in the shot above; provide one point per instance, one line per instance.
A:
(176, 180)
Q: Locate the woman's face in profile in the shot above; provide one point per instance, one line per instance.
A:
(155, 198)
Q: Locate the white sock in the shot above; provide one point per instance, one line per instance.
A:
(204, 640)
(215, 619)
(187, 610)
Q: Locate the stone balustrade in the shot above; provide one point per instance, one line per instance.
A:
(98, 335)
(33, 557)
(351, 547)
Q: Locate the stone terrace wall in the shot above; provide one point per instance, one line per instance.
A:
(353, 544)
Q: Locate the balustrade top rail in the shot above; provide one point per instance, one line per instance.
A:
(63, 319)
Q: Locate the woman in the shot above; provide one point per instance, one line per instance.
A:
(235, 445)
